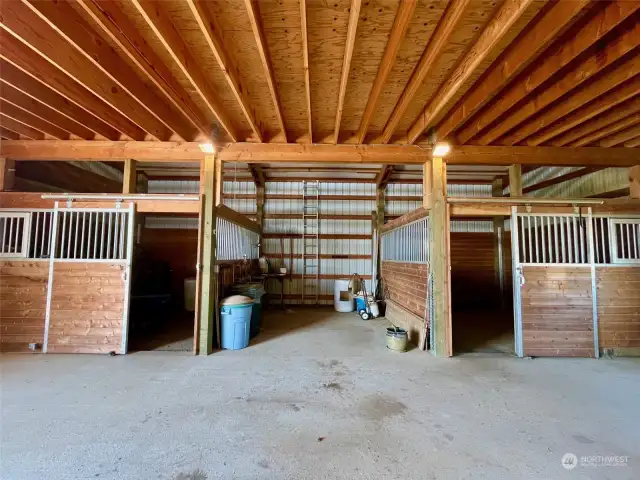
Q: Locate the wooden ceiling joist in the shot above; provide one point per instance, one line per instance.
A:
(438, 43)
(519, 55)
(210, 31)
(8, 134)
(610, 125)
(19, 99)
(621, 137)
(398, 32)
(503, 20)
(573, 122)
(634, 142)
(31, 120)
(253, 10)
(166, 32)
(39, 91)
(555, 59)
(354, 14)
(21, 128)
(119, 29)
(19, 20)
(305, 62)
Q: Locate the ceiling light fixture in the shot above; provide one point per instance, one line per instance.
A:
(441, 149)
(207, 148)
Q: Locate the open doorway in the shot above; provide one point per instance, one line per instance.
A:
(481, 307)
(162, 307)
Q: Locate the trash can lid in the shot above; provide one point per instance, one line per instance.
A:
(236, 300)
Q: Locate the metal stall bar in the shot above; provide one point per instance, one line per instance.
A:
(594, 287)
(517, 282)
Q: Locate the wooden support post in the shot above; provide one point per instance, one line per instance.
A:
(208, 272)
(515, 180)
(7, 174)
(218, 180)
(129, 179)
(378, 215)
(634, 182)
(260, 215)
(498, 243)
(380, 204)
(439, 249)
(427, 184)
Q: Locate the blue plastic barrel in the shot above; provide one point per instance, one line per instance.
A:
(235, 324)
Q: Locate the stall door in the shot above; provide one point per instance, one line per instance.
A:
(89, 277)
(553, 285)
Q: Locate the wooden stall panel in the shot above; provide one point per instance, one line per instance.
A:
(87, 304)
(23, 301)
(618, 295)
(406, 285)
(557, 312)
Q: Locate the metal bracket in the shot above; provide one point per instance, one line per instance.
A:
(528, 208)
(69, 203)
(118, 204)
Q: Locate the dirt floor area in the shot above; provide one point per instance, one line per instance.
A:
(317, 396)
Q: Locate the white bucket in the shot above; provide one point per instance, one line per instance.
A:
(375, 311)
(190, 294)
(342, 297)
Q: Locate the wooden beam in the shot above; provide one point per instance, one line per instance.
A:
(398, 32)
(227, 213)
(621, 137)
(82, 36)
(22, 57)
(16, 97)
(634, 182)
(253, 10)
(427, 185)
(383, 176)
(257, 174)
(305, 60)
(518, 55)
(23, 116)
(219, 183)
(24, 24)
(7, 174)
(440, 264)
(67, 177)
(560, 178)
(168, 35)
(508, 14)
(40, 94)
(438, 43)
(130, 176)
(210, 30)
(354, 14)
(515, 180)
(115, 24)
(562, 131)
(609, 129)
(559, 56)
(634, 142)
(260, 215)
(8, 134)
(607, 80)
(21, 128)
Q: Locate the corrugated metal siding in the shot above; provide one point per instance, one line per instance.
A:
(174, 186)
(400, 207)
(607, 180)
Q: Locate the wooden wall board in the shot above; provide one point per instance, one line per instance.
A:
(557, 312)
(23, 301)
(87, 304)
(618, 294)
(473, 271)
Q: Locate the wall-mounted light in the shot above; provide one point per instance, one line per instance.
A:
(207, 148)
(441, 149)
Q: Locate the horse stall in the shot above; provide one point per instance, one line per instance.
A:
(576, 282)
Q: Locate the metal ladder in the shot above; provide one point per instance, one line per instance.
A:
(310, 240)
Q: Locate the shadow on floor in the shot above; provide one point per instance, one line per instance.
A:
(174, 334)
(278, 322)
(477, 331)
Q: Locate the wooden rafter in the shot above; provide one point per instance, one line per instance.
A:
(210, 31)
(438, 43)
(22, 57)
(503, 20)
(41, 93)
(556, 59)
(107, 14)
(21, 128)
(582, 115)
(166, 32)
(560, 178)
(8, 134)
(519, 54)
(621, 137)
(608, 125)
(398, 32)
(31, 29)
(305, 60)
(570, 100)
(19, 99)
(354, 14)
(383, 176)
(33, 121)
(253, 11)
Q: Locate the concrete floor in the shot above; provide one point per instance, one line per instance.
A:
(317, 396)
